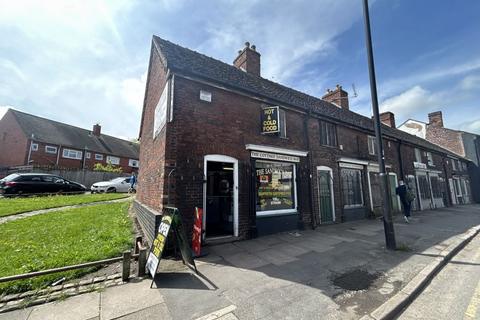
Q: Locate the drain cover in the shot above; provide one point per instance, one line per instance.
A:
(355, 280)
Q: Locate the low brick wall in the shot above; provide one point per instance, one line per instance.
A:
(148, 219)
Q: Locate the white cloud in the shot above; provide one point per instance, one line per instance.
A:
(410, 101)
(471, 126)
(470, 82)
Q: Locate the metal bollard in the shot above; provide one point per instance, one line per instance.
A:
(126, 265)
(142, 261)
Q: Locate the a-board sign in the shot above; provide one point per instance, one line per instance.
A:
(270, 120)
(171, 220)
(197, 232)
(158, 244)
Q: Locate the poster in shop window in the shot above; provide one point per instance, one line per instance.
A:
(270, 120)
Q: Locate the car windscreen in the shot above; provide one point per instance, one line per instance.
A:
(117, 180)
(11, 177)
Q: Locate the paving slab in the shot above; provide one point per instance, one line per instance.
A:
(81, 307)
(126, 299)
(21, 314)
(245, 260)
(158, 311)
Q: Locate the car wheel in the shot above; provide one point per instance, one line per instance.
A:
(111, 190)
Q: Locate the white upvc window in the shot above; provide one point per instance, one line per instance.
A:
(98, 156)
(51, 149)
(205, 96)
(34, 146)
(454, 165)
(429, 159)
(88, 155)
(133, 163)
(418, 155)
(113, 160)
(72, 154)
(372, 145)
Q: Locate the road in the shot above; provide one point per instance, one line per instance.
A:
(455, 292)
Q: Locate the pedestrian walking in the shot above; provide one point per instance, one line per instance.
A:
(406, 198)
(133, 182)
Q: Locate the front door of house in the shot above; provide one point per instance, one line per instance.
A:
(219, 215)
(325, 196)
(392, 182)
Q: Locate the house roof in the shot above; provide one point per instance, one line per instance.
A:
(189, 62)
(49, 131)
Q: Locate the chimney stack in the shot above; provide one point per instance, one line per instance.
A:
(248, 60)
(96, 130)
(339, 97)
(435, 119)
(388, 118)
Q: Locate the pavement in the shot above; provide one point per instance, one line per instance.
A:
(338, 271)
(454, 293)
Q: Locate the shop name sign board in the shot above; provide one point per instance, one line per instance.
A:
(419, 165)
(270, 120)
(274, 156)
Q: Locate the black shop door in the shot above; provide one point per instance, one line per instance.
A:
(219, 210)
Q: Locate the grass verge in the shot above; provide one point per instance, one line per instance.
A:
(62, 238)
(9, 206)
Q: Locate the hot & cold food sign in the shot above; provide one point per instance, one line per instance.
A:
(270, 121)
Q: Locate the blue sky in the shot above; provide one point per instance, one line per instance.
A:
(83, 62)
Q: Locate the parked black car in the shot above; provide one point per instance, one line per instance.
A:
(29, 183)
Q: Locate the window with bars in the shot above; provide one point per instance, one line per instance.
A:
(352, 187)
(328, 134)
(424, 187)
(436, 187)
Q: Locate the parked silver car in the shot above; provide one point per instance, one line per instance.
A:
(121, 184)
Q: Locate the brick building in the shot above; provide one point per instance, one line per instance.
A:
(26, 139)
(259, 157)
(464, 144)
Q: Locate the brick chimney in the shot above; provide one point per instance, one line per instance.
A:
(435, 119)
(248, 60)
(96, 130)
(388, 118)
(338, 97)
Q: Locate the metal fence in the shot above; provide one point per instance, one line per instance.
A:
(85, 177)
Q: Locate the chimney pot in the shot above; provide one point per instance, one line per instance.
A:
(388, 118)
(248, 60)
(97, 130)
(435, 119)
(339, 97)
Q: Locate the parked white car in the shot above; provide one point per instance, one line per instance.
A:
(121, 184)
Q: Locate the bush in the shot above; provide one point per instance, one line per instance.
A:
(107, 168)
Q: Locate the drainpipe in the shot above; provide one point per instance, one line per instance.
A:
(400, 160)
(58, 154)
(310, 173)
(30, 150)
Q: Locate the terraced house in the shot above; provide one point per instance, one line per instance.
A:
(26, 139)
(259, 157)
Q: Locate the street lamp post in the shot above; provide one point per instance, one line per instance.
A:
(387, 212)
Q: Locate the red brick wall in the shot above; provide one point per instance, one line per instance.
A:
(42, 158)
(446, 138)
(13, 142)
(152, 151)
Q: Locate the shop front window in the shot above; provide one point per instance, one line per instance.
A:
(275, 187)
(352, 188)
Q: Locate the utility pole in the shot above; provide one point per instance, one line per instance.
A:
(387, 212)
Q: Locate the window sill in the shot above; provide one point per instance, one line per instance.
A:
(273, 213)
